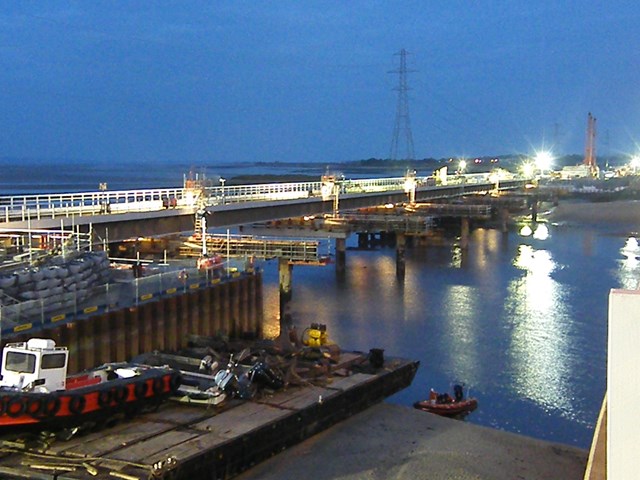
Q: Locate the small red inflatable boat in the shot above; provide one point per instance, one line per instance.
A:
(446, 405)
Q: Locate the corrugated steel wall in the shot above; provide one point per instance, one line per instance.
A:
(232, 308)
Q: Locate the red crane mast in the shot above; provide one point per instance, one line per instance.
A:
(590, 149)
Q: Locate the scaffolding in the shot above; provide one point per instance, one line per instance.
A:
(244, 246)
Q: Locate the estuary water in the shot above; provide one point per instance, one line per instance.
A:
(520, 318)
(37, 176)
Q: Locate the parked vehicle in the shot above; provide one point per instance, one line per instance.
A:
(36, 393)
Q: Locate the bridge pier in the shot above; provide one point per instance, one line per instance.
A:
(464, 233)
(285, 270)
(386, 239)
(363, 240)
(341, 255)
(400, 251)
(504, 219)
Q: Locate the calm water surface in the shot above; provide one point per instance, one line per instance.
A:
(31, 176)
(520, 319)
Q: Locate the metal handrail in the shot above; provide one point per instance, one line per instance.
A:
(52, 205)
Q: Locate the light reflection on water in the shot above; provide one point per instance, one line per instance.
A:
(541, 232)
(521, 320)
(462, 332)
(538, 343)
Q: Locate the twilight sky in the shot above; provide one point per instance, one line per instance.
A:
(237, 81)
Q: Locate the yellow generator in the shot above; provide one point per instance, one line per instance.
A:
(315, 335)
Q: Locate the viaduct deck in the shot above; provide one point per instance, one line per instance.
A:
(144, 213)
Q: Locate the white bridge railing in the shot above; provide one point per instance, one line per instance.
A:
(104, 202)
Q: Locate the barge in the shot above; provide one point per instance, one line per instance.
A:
(186, 441)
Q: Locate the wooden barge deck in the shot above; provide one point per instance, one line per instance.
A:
(186, 441)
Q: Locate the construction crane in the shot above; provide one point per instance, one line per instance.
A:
(590, 149)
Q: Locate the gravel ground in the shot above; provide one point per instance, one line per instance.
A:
(400, 443)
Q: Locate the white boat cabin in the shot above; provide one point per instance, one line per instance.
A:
(36, 365)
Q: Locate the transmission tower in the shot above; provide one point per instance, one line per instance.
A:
(402, 125)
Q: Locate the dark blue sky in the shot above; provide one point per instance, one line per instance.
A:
(233, 81)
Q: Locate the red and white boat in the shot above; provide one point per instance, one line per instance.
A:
(35, 392)
(446, 405)
(212, 262)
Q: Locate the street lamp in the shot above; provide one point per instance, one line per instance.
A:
(461, 166)
(222, 180)
(331, 188)
(104, 202)
(635, 163)
(410, 185)
(528, 169)
(202, 215)
(543, 161)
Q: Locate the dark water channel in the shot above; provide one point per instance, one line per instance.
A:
(520, 318)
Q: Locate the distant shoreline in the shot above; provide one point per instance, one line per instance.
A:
(275, 178)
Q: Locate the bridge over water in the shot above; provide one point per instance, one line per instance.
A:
(118, 215)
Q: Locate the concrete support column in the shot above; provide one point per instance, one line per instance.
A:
(504, 219)
(389, 239)
(285, 270)
(341, 255)
(464, 233)
(373, 240)
(400, 249)
(363, 240)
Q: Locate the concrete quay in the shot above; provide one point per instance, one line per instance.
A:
(395, 442)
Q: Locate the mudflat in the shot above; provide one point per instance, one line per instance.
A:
(617, 212)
